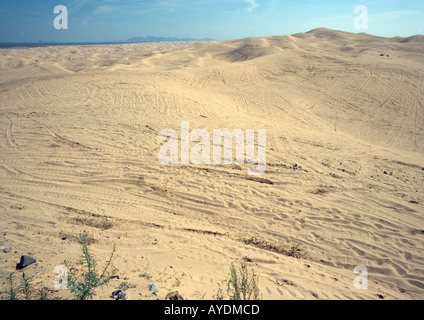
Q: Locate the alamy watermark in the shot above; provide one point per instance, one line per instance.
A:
(361, 281)
(361, 20)
(60, 21)
(202, 152)
(61, 280)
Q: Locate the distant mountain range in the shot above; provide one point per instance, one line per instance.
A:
(131, 40)
(163, 39)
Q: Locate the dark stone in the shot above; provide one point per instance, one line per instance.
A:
(25, 262)
(385, 172)
(119, 295)
(174, 296)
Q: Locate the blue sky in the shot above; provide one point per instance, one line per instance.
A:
(110, 20)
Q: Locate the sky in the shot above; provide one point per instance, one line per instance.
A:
(116, 20)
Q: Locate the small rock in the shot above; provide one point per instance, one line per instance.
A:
(154, 287)
(7, 250)
(380, 296)
(64, 237)
(171, 267)
(25, 262)
(119, 295)
(385, 172)
(174, 296)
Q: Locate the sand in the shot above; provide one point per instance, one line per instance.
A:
(343, 185)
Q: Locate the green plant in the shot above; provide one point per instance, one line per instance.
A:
(12, 290)
(219, 295)
(23, 290)
(26, 286)
(42, 293)
(241, 285)
(84, 282)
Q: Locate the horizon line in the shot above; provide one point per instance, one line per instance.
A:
(158, 39)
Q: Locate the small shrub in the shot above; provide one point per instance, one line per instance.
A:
(42, 293)
(12, 290)
(23, 290)
(241, 285)
(83, 282)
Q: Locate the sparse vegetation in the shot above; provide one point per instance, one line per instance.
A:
(42, 293)
(84, 278)
(241, 285)
(12, 291)
(23, 290)
(84, 281)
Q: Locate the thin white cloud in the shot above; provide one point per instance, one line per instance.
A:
(103, 9)
(253, 4)
(77, 4)
(390, 15)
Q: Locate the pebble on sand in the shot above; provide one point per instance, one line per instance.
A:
(154, 287)
(25, 262)
(174, 296)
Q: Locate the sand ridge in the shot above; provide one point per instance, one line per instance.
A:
(343, 187)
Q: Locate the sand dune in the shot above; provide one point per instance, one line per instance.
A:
(344, 116)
